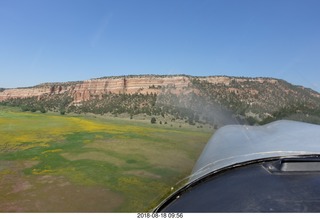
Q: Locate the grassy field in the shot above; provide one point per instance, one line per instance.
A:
(55, 163)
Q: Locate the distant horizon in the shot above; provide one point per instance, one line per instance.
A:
(153, 74)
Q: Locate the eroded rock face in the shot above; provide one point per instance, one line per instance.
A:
(31, 92)
(95, 88)
(23, 92)
(85, 90)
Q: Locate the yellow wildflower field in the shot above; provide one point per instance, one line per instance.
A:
(120, 165)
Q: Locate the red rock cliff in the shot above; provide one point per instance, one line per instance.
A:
(85, 90)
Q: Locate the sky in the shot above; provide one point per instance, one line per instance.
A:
(70, 40)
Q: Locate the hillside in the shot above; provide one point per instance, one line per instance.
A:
(215, 100)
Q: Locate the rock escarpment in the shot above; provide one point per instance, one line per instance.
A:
(181, 96)
(85, 90)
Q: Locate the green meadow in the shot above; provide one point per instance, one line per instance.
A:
(72, 163)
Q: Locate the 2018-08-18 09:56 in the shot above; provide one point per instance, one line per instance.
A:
(159, 215)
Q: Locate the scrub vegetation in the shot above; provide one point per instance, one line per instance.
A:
(72, 163)
(253, 101)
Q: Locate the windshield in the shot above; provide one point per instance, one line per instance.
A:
(236, 144)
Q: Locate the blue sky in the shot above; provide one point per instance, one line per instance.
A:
(68, 40)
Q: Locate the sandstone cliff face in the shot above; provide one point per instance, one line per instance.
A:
(129, 85)
(31, 92)
(96, 87)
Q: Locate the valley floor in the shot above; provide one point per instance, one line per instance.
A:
(77, 163)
